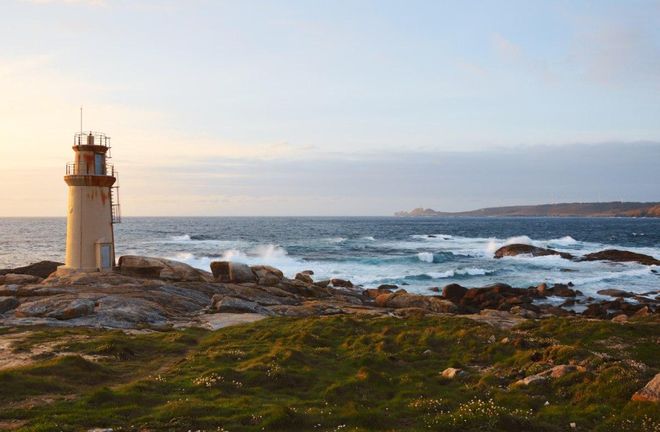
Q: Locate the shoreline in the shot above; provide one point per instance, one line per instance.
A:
(161, 293)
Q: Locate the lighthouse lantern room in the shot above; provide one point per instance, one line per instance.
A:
(93, 206)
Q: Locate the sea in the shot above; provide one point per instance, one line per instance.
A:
(413, 253)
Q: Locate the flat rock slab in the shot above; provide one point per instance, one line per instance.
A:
(499, 319)
(221, 320)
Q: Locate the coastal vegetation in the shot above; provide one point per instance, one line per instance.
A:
(343, 372)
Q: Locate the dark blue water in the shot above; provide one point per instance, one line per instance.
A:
(416, 252)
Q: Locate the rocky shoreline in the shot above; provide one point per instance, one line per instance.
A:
(155, 293)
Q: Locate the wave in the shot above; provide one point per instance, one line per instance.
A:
(438, 257)
(609, 277)
(265, 254)
(564, 241)
(425, 256)
(335, 239)
(468, 271)
(432, 236)
(368, 238)
(184, 237)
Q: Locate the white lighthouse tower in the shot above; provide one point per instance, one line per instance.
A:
(93, 206)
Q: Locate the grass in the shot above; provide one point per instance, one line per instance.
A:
(337, 373)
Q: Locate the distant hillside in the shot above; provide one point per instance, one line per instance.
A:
(607, 209)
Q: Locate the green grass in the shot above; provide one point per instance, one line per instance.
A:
(338, 373)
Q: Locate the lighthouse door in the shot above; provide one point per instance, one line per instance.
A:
(105, 256)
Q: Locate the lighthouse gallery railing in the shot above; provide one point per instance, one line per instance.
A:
(73, 168)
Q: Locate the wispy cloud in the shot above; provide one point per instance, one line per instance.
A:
(513, 54)
(616, 53)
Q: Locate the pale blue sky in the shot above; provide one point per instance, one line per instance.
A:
(193, 85)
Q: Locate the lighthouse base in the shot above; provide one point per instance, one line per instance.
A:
(68, 270)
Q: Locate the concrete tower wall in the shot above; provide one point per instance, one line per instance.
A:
(89, 221)
(89, 232)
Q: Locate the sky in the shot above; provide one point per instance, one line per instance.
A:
(227, 108)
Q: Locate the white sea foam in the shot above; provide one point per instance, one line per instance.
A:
(425, 256)
(473, 271)
(180, 238)
(202, 263)
(612, 276)
(472, 261)
(541, 261)
(233, 255)
(335, 239)
(522, 239)
(441, 275)
(564, 241)
(468, 271)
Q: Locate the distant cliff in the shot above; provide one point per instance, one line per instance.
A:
(600, 209)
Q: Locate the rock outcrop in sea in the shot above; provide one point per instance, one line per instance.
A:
(613, 255)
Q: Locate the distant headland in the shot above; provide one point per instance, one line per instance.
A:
(597, 209)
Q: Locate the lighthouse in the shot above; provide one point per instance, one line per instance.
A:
(93, 206)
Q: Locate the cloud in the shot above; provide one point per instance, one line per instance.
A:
(506, 48)
(617, 53)
(381, 183)
(513, 54)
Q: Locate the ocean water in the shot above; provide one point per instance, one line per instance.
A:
(417, 253)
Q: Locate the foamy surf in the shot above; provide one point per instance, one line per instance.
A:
(414, 255)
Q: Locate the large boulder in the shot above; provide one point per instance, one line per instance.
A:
(399, 300)
(304, 277)
(41, 269)
(497, 296)
(7, 304)
(341, 283)
(160, 268)
(621, 256)
(303, 288)
(613, 292)
(525, 249)
(58, 307)
(453, 292)
(372, 293)
(267, 275)
(232, 272)
(650, 392)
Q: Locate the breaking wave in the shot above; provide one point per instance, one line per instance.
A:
(469, 271)
(425, 256)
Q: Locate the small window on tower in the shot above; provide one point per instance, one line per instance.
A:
(99, 167)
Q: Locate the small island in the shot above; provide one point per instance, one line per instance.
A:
(597, 209)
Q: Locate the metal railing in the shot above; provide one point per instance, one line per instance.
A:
(91, 138)
(73, 168)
